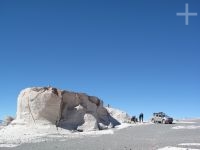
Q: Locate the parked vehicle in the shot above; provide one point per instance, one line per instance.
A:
(161, 117)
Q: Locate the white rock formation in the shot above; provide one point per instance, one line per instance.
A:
(38, 105)
(120, 115)
(64, 109)
(90, 123)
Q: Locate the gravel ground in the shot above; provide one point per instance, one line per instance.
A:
(144, 137)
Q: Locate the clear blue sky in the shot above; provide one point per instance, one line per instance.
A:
(135, 55)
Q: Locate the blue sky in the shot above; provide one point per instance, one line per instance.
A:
(135, 55)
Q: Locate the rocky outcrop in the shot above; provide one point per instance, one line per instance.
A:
(38, 105)
(64, 109)
(90, 123)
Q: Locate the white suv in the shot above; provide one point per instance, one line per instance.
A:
(161, 117)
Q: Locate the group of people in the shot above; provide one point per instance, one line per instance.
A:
(134, 118)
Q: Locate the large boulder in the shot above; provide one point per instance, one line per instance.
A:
(90, 123)
(65, 109)
(38, 105)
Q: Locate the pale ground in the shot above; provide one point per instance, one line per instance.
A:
(187, 127)
(183, 144)
(176, 148)
(15, 135)
(184, 122)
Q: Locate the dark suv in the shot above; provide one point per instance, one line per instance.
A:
(161, 117)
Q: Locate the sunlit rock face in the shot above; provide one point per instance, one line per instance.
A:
(65, 109)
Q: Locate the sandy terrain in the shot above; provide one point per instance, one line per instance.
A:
(15, 135)
(146, 136)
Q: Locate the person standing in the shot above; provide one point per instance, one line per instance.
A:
(141, 116)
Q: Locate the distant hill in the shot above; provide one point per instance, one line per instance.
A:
(1, 121)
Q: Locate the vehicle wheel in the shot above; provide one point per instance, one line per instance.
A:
(163, 121)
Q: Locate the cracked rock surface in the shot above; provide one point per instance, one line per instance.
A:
(65, 109)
